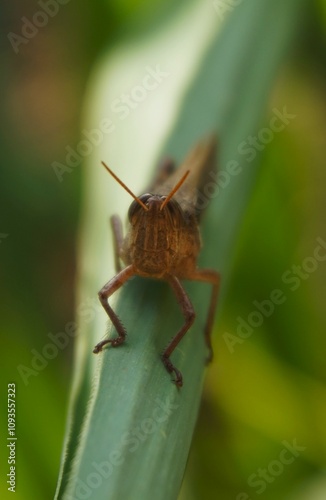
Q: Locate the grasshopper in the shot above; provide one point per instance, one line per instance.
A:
(163, 242)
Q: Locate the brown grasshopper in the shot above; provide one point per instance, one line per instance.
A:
(163, 242)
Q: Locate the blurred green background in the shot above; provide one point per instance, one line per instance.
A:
(272, 387)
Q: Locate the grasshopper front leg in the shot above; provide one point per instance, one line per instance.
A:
(189, 315)
(204, 275)
(112, 286)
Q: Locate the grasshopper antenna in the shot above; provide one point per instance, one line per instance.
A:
(174, 190)
(124, 186)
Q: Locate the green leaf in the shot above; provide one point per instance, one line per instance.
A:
(130, 428)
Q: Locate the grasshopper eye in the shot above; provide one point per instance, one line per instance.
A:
(172, 205)
(135, 206)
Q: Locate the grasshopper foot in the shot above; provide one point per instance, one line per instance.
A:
(172, 369)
